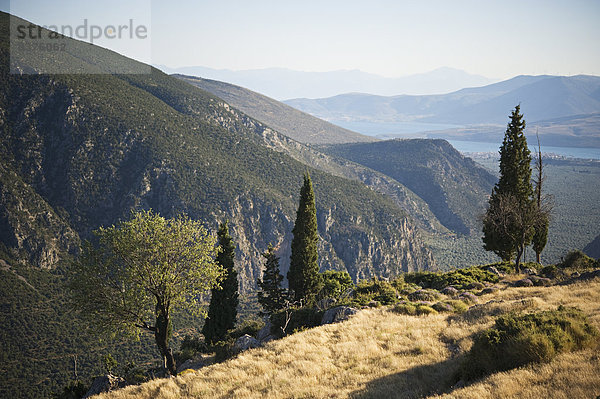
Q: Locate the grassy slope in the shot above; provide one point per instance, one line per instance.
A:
(295, 124)
(379, 354)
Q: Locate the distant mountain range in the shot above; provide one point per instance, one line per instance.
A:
(565, 109)
(281, 83)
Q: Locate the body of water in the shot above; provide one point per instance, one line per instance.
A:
(574, 152)
(417, 130)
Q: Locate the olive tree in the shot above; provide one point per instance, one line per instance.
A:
(140, 272)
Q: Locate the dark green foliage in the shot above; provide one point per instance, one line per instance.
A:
(223, 350)
(577, 260)
(109, 363)
(222, 310)
(74, 390)
(380, 291)
(299, 319)
(271, 296)
(190, 347)
(303, 275)
(508, 223)
(540, 236)
(460, 279)
(248, 326)
(520, 339)
(335, 284)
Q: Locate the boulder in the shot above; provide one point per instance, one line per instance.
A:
(105, 383)
(195, 363)
(325, 303)
(245, 342)
(524, 283)
(540, 281)
(340, 313)
(530, 271)
(264, 334)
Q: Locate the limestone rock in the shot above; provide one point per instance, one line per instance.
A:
(105, 383)
(338, 314)
(245, 342)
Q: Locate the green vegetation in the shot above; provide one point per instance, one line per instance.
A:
(303, 276)
(271, 296)
(144, 269)
(508, 224)
(462, 279)
(222, 310)
(454, 187)
(335, 284)
(520, 339)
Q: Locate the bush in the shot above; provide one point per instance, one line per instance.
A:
(335, 284)
(405, 308)
(461, 279)
(577, 260)
(424, 295)
(73, 390)
(425, 310)
(223, 350)
(375, 290)
(248, 326)
(518, 339)
(189, 347)
(299, 319)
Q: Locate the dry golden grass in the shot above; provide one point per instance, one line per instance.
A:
(379, 354)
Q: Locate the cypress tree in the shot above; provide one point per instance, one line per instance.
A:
(222, 310)
(303, 276)
(509, 220)
(271, 296)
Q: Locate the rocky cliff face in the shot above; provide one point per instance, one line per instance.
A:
(95, 168)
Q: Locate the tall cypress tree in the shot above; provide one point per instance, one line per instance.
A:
(271, 296)
(303, 276)
(508, 223)
(222, 310)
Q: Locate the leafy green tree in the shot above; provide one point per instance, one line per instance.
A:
(141, 271)
(272, 296)
(222, 310)
(508, 225)
(303, 276)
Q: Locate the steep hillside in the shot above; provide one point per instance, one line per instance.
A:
(455, 187)
(98, 145)
(78, 151)
(382, 354)
(289, 121)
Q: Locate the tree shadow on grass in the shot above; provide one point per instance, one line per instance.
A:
(417, 382)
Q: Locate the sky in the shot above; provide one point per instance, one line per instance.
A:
(496, 39)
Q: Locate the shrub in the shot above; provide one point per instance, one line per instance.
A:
(425, 310)
(424, 295)
(405, 308)
(335, 284)
(443, 307)
(223, 350)
(520, 339)
(375, 290)
(248, 326)
(460, 278)
(458, 306)
(73, 390)
(299, 319)
(577, 260)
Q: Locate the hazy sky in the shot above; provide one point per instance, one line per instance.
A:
(497, 39)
